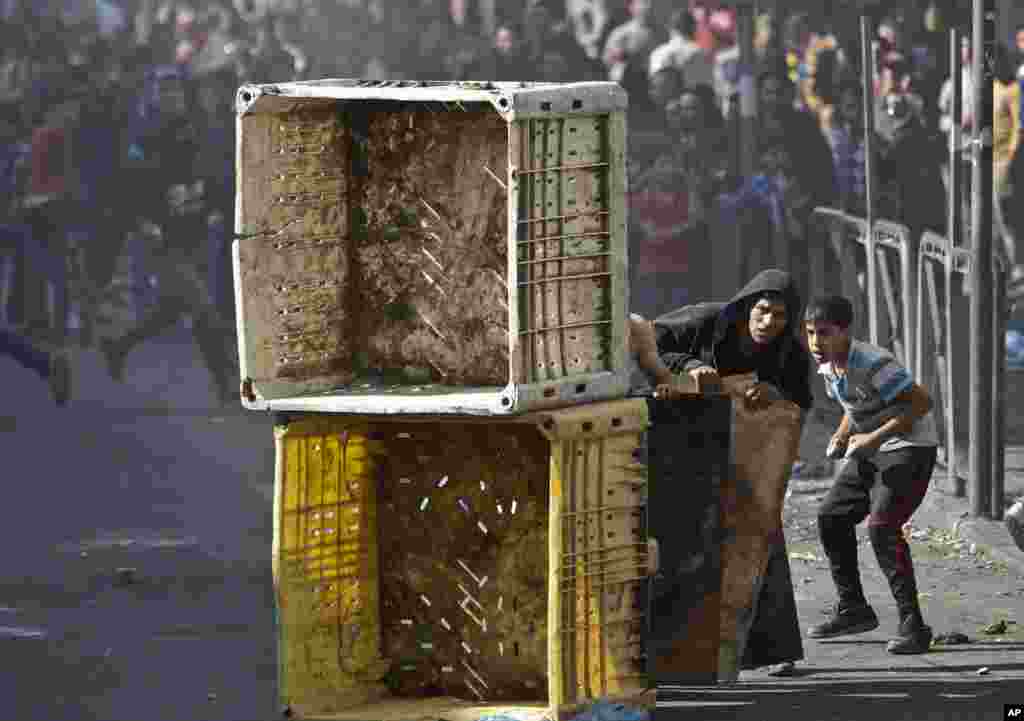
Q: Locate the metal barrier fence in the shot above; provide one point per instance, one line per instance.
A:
(940, 362)
(944, 363)
(885, 317)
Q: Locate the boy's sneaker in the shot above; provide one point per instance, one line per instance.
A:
(914, 637)
(846, 620)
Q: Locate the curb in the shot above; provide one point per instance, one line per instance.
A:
(990, 534)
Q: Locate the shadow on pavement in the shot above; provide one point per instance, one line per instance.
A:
(899, 699)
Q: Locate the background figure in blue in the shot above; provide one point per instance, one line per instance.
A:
(174, 201)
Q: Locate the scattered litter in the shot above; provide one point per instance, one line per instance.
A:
(787, 668)
(804, 557)
(951, 639)
(995, 629)
(983, 671)
(145, 540)
(20, 632)
(604, 711)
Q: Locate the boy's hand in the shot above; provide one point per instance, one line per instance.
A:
(861, 445)
(836, 447)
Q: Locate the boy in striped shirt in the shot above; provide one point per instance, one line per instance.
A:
(889, 439)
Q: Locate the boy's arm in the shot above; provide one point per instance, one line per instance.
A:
(843, 432)
(916, 403)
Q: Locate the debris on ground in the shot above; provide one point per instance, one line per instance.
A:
(782, 670)
(801, 556)
(983, 671)
(604, 711)
(998, 628)
(951, 639)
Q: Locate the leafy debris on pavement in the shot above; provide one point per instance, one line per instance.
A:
(998, 628)
(802, 556)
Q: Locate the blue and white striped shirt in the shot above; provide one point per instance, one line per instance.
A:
(868, 391)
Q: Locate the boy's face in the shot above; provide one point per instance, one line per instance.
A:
(767, 320)
(826, 341)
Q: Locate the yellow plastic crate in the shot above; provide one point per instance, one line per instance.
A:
(325, 565)
(486, 563)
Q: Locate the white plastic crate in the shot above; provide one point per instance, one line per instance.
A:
(431, 247)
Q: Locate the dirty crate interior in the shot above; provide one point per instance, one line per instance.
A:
(412, 563)
(376, 247)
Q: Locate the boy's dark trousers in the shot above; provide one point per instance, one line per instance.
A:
(886, 490)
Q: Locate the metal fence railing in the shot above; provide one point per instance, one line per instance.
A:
(887, 318)
(943, 359)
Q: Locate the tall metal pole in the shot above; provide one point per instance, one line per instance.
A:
(999, 390)
(748, 88)
(955, 235)
(868, 90)
(982, 366)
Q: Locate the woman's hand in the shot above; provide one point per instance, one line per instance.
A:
(705, 376)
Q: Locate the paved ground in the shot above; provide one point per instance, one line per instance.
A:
(150, 476)
(970, 575)
(146, 476)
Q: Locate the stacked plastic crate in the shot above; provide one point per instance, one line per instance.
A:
(431, 288)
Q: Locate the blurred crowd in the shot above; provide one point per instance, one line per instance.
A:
(117, 124)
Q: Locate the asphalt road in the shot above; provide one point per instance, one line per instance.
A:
(149, 476)
(141, 476)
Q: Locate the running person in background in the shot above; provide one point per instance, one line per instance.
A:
(172, 201)
(889, 437)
